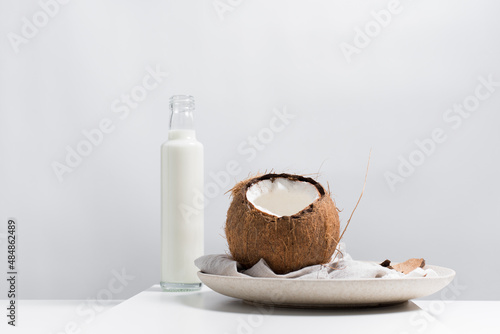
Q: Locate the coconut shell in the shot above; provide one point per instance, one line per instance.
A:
(286, 243)
(409, 265)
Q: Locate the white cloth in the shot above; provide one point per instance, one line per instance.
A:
(343, 267)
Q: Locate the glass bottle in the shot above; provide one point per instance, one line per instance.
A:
(181, 199)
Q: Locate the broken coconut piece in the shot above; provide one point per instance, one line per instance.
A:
(288, 220)
(387, 264)
(409, 265)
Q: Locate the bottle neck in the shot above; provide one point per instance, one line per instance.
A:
(182, 118)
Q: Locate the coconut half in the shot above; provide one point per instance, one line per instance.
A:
(287, 220)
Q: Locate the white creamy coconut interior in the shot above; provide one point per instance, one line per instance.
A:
(282, 197)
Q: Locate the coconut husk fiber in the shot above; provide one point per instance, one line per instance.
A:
(286, 243)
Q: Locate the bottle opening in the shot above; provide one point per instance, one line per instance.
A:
(181, 103)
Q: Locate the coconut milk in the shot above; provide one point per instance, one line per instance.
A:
(182, 207)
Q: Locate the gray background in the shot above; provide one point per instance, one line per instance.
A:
(104, 216)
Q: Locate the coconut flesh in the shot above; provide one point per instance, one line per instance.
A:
(287, 220)
(282, 197)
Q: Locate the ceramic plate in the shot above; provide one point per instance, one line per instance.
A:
(328, 293)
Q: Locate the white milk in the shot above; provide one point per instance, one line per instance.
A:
(181, 209)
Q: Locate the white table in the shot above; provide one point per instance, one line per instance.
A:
(206, 311)
(153, 311)
(54, 316)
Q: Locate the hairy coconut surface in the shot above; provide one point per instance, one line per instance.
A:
(288, 220)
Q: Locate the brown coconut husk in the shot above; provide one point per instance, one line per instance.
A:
(286, 243)
(386, 263)
(409, 265)
(405, 267)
